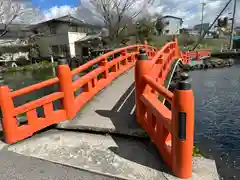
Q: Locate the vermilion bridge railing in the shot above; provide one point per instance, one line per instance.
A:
(155, 118)
(91, 83)
(172, 131)
(199, 54)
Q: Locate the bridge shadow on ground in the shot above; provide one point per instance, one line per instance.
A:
(137, 147)
(122, 114)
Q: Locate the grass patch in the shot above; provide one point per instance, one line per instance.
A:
(212, 44)
(145, 135)
(196, 152)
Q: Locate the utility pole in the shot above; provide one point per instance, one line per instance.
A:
(233, 21)
(201, 37)
(203, 4)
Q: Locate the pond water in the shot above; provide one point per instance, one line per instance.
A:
(217, 117)
(217, 111)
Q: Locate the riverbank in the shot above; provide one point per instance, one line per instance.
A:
(226, 55)
(41, 65)
(209, 64)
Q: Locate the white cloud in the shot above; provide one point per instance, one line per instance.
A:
(189, 10)
(57, 11)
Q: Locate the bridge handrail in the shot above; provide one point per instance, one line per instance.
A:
(71, 101)
(85, 78)
(81, 68)
(198, 53)
(150, 76)
(102, 58)
(159, 88)
(157, 120)
(34, 87)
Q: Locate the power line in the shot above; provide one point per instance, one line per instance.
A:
(205, 32)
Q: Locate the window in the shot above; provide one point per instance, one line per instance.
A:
(90, 30)
(64, 50)
(167, 23)
(80, 29)
(55, 50)
(85, 30)
(73, 28)
(53, 30)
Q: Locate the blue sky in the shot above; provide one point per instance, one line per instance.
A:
(47, 4)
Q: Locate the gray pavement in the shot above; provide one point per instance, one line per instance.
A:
(15, 166)
(125, 158)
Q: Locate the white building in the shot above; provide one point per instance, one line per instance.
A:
(62, 36)
(172, 25)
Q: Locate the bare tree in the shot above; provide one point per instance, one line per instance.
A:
(11, 11)
(159, 24)
(115, 14)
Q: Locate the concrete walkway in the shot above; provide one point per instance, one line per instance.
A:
(111, 154)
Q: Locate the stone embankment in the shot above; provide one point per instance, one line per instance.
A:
(30, 67)
(210, 64)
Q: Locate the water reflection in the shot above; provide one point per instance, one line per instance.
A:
(17, 80)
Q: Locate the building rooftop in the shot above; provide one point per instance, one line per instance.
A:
(169, 16)
(173, 17)
(67, 18)
(89, 37)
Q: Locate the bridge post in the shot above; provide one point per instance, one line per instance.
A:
(177, 50)
(65, 82)
(197, 55)
(146, 47)
(183, 128)
(143, 65)
(9, 122)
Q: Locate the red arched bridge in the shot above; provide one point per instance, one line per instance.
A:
(170, 127)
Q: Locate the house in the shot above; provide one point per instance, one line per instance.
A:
(65, 36)
(199, 27)
(172, 25)
(189, 31)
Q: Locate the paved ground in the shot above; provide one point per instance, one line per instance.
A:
(125, 158)
(15, 166)
(112, 155)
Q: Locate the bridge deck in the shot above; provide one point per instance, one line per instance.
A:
(112, 110)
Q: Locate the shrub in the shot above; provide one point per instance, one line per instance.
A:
(185, 40)
(22, 60)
